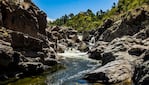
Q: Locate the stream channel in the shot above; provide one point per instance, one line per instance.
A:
(74, 65)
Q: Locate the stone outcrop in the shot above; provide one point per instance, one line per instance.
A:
(113, 72)
(130, 25)
(6, 54)
(125, 54)
(24, 17)
(63, 37)
(25, 49)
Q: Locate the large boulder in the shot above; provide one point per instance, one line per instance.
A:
(24, 17)
(113, 72)
(83, 47)
(31, 68)
(95, 53)
(23, 41)
(129, 25)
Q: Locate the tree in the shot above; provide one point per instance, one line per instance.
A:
(114, 5)
(64, 19)
(71, 15)
(89, 12)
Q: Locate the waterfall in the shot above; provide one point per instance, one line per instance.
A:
(92, 41)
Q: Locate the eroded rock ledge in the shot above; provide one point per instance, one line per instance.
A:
(122, 48)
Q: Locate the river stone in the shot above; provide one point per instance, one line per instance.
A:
(83, 47)
(113, 72)
(95, 53)
(31, 68)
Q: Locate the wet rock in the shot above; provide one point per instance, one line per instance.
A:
(95, 54)
(83, 47)
(50, 61)
(31, 68)
(113, 72)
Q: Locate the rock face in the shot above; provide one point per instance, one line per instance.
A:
(24, 46)
(113, 72)
(27, 46)
(20, 40)
(130, 25)
(141, 76)
(6, 54)
(125, 54)
(26, 18)
(63, 37)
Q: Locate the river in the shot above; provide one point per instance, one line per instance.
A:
(76, 65)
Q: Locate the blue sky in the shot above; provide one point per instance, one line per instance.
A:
(58, 8)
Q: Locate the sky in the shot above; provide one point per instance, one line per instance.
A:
(57, 8)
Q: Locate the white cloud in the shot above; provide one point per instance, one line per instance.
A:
(49, 19)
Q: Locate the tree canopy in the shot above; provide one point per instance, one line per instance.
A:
(89, 20)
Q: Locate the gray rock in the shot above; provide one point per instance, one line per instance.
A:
(95, 53)
(6, 53)
(31, 68)
(130, 25)
(113, 72)
(141, 75)
(26, 18)
(83, 47)
(22, 41)
(50, 62)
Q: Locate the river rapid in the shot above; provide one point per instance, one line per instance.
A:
(74, 65)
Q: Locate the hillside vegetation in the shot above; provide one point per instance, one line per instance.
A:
(89, 20)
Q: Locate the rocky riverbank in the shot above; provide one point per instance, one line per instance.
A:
(27, 46)
(122, 47)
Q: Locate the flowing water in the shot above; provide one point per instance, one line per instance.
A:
(75, 65)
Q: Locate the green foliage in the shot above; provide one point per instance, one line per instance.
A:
(88, 20)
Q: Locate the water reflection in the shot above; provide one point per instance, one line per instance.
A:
(76, 66)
